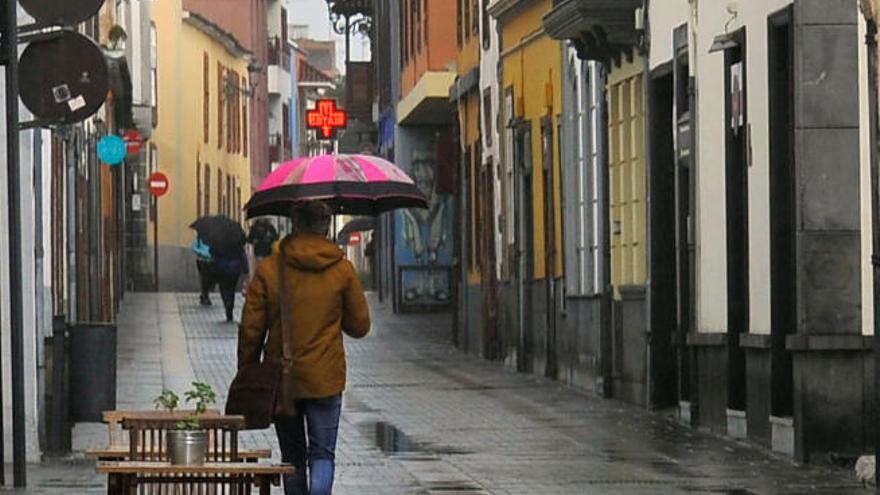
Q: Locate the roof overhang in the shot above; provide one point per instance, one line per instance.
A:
(218, 34)
(428, 102)
(499, 8)
(602, 30)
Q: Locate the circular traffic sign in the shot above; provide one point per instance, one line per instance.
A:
(133, 141)
(63, 79)
(111, 150)
(68, 12)
(157, 184)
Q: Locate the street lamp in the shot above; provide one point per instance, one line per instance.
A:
(726, 40)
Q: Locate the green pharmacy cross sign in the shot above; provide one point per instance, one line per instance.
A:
(326, 118)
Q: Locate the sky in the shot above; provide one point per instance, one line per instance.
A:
(314, 13)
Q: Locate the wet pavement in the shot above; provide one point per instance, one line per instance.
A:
(419, 417)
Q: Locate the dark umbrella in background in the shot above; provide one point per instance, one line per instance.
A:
(362, 224)
(223, 234)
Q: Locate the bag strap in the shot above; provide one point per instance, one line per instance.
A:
(286, 348)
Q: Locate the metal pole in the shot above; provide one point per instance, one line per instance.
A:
(19, 470)
(871, 43)
(156, 242)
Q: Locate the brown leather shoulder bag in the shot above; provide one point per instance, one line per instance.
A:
(261, 391)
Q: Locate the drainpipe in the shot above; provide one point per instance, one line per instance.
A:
(644, 49)
(605, 342)
(871, 44)
(39, 287)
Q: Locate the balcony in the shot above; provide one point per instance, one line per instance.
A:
(602, 30)
(279, 82)
(280, 148)
(279, 54)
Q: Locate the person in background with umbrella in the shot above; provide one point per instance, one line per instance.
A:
(205, 265)
(262, 235)
(226, 241)
(229, 270)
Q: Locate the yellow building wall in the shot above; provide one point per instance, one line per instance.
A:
(626, 148)
(178, 140)
(468, 54)
(532, 66)
(469, 122)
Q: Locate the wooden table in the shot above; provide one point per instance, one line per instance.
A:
(125, 477)
(122, 453)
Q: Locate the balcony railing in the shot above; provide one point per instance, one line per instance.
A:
(276, 148)
(278, 53)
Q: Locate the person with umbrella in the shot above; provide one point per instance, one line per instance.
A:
(324, 298)
(205, 265)
(262, 236)
(226, 241)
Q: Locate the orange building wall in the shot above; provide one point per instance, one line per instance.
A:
(440, 51)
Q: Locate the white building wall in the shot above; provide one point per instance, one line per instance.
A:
(664, 17)
(31, 333)
(865, 177)
(707, 19)
(711, 243)
(489, 81)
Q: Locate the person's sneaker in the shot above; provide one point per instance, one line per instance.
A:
(204, 301)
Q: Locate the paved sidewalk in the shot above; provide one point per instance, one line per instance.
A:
(421, 418)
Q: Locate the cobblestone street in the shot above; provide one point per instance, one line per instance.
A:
(419, 417)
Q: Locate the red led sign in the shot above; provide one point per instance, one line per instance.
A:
(326, 118)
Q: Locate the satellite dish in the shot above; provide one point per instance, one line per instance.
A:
(64, 79)
(64, 13)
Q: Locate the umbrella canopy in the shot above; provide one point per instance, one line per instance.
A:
(350, 184)
(362, 224)
(223, 234)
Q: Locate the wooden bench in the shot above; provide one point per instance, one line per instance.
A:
(147, 437)
(124, 478)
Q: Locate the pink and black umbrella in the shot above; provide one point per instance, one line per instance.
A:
(351, 184)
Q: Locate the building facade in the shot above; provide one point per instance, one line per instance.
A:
(531, 268)
(774, 344)
(422, 261)
(207, 159)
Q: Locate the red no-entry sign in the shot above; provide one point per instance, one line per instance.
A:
(133, 141)
(157, 184)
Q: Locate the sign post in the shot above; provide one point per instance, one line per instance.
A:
(157, 185)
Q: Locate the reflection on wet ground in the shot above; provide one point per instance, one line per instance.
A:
(459, 424)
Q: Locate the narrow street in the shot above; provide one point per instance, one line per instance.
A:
(420, 417)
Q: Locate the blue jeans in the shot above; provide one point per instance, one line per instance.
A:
(322, 419)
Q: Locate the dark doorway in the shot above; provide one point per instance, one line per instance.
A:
(684, 213)
(663, 379)
(551, 369)
(783, 285)
(736, 173)
(525, 249)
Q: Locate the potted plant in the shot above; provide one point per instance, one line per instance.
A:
(187, 442)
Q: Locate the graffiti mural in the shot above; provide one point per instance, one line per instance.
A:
(424, 244)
